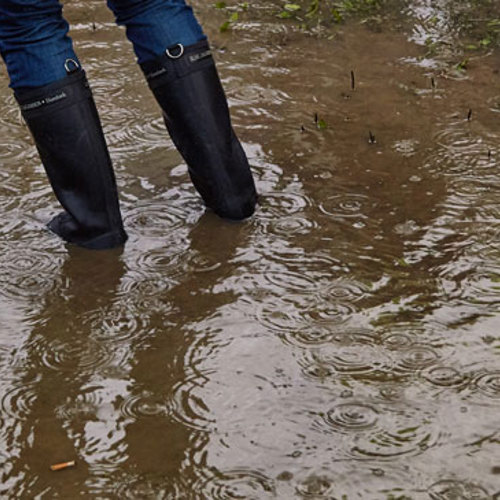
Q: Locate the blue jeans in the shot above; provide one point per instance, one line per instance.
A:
(35, 45)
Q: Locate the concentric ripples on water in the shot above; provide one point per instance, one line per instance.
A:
(303, 320)
(349, 207)
(27, 272)
(401, 431)
(316, 487)
(356, 359)
(166, 260)
(291, 226)
(462, 151)
(145, 405)
(274, 205)
(232, 484)
(489, 384)
(452, 489)
(351, 417)
(380, 431)
(76, 353)
(17, 400)
(148, 487)
(188, 406)
(156, 219)
(85, 406)
(117, 324)
(446, 376)
(417, 357)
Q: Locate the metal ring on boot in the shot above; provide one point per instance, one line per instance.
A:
(180, 54)
(68, 63)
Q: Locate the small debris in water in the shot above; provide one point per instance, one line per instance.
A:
(371, 138)
(353, 81)
(284, 476)
(320, 123)
(433, 83)
(469, 115)
(62, 466)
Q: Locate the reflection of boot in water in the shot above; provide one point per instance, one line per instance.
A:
(57, 369)
(186, 85)
(63, 120)
(166, 443)
(213, 247)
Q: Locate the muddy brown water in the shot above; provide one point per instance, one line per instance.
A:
(343, 343)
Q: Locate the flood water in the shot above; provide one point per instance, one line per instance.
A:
(343, 343)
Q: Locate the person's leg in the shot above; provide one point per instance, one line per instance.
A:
(154, 25)
(175, 57)
(34, 42)
(58, 107)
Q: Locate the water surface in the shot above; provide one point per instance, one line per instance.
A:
(343, 343)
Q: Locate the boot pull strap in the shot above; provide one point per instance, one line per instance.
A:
(175, 56)
(70, 65)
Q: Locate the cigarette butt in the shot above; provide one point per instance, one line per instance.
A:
(63, 465)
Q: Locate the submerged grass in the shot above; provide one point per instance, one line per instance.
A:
(454, 31)
(331, 11)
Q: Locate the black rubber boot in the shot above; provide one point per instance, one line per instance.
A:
(187, 87)
(63, 120)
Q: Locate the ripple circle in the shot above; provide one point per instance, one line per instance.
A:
(315, 487)
(356, 359)
(74, 355)
(146, 404)
(351, 417)
(450, 489)
(17, 401)
(290, 226)
(281, 204)
(345, 206)
(404, 430)
(188, 406)
(154, 219)
(418, 357)
(489, 384)
(237, 484)
(443, 376)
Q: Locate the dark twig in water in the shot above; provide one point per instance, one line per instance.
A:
(469, 115)
(371, 138)
(353, 81)
(489, 154)
(433, 83)
(316, 118)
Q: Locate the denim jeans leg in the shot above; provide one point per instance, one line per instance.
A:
(34, 42)
(155, 25)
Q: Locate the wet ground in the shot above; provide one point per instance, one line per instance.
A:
(343, 343)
